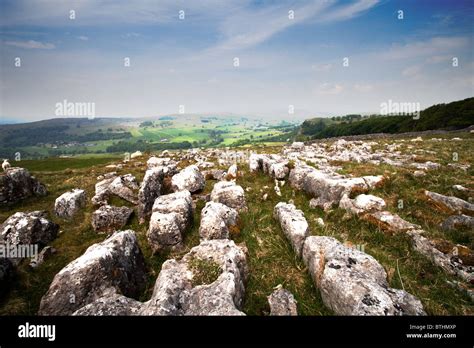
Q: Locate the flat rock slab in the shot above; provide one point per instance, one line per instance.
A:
(352, 282)
(293, 224)
(450, 203)
(389, 222)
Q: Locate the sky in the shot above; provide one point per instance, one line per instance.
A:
(318, 58)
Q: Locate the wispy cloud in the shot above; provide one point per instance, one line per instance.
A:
(83, 38)
(31, 44)
(250, 27)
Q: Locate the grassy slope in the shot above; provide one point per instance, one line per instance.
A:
(271, 259)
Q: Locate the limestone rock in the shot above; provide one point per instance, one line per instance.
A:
(230, 194)
(190, 178)
(109, 218)
(115, 265)
(293, 223)
(164, 232)
(456, 222)
(150, 189)
(175, 291)
(450, 203)
(28, 229)
(17, 184)
(69, 203)
(178, 202)
(110, 306)
(282, 302)
(216, 221)
(352, 282)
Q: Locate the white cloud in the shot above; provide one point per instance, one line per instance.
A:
(31, 44)
(83, 38)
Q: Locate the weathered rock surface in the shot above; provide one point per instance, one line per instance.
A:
(69, 203)
(178, 202)
(102, 192)
(175, 291)
(190, 178)
(298, 174)
(126, 187)
(17, 184)
(150, 189)
(449, 260)
(230, 194)
(217, 220)
(282, 303)
(293, 223)
(28, 229)
(214, 174)
(111, 305)
(354, 283)
(164, 232)
(450, 203)
(110, 218)
(362, 204)
(389, 222)
(457, 222)
(115, 265)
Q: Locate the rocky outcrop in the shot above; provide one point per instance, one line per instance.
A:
(150, 189)
(293, 223)
(164, 232)
(109, 218)
(217, 220)
(389, 222)
(28, 229)
(456, 260)
(17, 184)
(450, 203)
(178, 202)
(185, 287)
(362, 204)
(114, 305)
(124, 186)
(354, 283)
(115, 265)
(230, 194)
(297, 176)
(458, 222)
(190, 178)
(172, 215)
(282, 303)
(69, 203)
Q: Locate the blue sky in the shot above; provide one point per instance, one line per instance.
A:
(189, 61)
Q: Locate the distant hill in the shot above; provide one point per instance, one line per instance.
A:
(451, 116)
